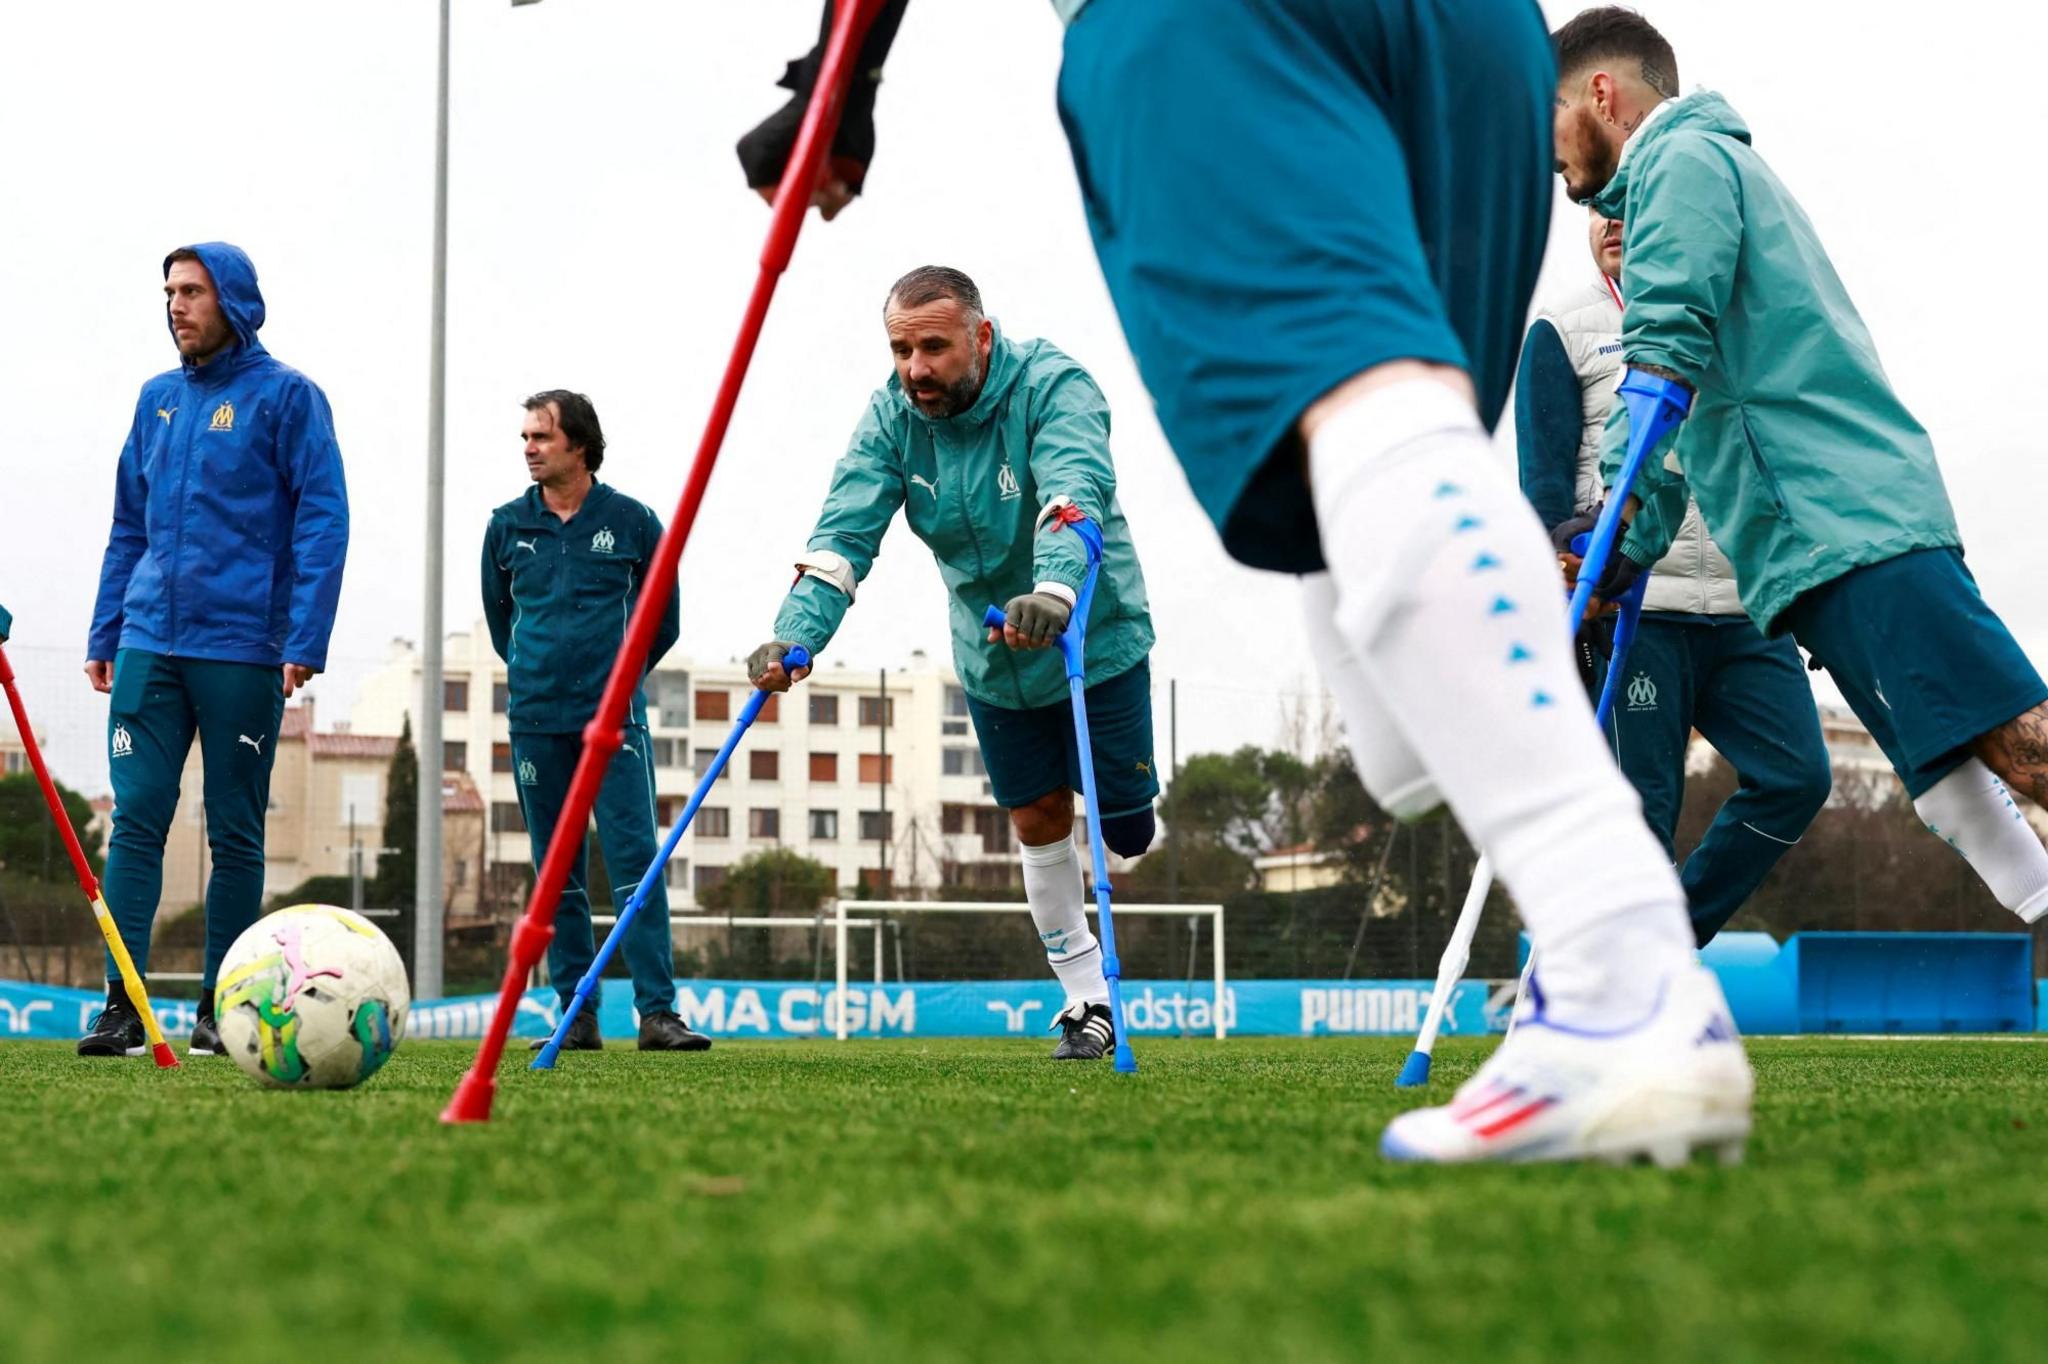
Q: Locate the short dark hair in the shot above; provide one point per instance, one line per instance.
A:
(576, 419)
(1613, 33)
(182, 253)
(929, 284)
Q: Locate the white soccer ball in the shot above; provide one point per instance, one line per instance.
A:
(312, 997)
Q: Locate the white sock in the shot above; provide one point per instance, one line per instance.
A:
(1972, 812)
(1052, 887)
(1449, 600)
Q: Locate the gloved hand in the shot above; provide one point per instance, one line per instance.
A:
(1564, 532)
(765, 670)
(1032, 621)
(1617, 577)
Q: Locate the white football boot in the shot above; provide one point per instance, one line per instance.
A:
(1667, 1086)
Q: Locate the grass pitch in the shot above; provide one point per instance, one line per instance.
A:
(973, 1201)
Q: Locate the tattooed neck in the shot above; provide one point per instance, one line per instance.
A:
(1654, 77)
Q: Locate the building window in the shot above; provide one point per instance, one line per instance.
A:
(714, 705)
(874, 712)
(825, 767)
(876, 769)
(501, 698)
(665, 752)
(707, 877)
(714, 821)
(956, 703)
(506, 818)
(824, 708)
(454, 693)
(764, 823)
(953, 729)
(877, 824)
(771, 709)
(708, 756)
(678, 873)
(993, 824)
(501, 757)
(454, 755)
(669, 693)
(963, 762)
(764, 764)
(666, 808)
(952, 819)
(825, 825)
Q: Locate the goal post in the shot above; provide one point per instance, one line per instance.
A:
(851, 916)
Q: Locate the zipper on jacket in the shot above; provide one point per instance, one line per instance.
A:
(177, 548)
(981, 568)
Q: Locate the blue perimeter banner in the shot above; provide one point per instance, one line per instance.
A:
(795, 1009)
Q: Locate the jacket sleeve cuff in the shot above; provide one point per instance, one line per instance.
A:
(1059, 590)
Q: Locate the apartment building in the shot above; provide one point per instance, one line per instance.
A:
(876, 774)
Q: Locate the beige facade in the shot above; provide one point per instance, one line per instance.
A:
(810, 776)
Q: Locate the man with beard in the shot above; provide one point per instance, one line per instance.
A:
(990, 446)
(1817, 482)
(1697, 661)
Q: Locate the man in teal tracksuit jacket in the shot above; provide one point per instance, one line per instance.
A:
(217, 594)
(988, 446)
(1816, 481)
(562, 568)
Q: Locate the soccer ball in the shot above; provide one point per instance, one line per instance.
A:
(312, 997)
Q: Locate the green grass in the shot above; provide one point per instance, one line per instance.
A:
(972, 1201)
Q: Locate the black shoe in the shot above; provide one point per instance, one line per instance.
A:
(583, 1035)
(116, 1030)
(664, 1031)
(1086, 1033)
(205, 1033)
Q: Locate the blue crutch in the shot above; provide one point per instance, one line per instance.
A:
(797, 657)
(1654, 407)
(1073, 642)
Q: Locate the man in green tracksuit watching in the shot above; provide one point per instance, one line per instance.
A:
(1816, 481)
(562, 567)
(987, 445)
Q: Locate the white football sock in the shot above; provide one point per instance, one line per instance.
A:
(1971, 810)
(1052, 887)
(1449, 601)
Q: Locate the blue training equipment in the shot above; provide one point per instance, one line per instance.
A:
(1073, 643)
(1654, 407)
(797, 657)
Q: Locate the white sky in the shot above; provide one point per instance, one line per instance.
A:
(601, 239)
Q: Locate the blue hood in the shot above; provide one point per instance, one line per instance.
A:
(234, 279)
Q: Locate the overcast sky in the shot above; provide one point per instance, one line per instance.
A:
(601, 239)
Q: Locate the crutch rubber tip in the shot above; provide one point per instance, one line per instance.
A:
(166, 1059)
(544, 1061)
(1126, 1060)
(472, 1101)
(1415, 1072)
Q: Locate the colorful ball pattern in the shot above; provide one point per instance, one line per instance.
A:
(312, 997)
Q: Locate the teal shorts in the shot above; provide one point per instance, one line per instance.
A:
(1922, 660)
(1032, 753)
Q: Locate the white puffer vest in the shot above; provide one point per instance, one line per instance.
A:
(1695, 576)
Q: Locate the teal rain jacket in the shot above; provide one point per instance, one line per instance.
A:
(973, 487)
(1804, 462)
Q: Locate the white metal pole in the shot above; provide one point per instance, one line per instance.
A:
(1218, 935)
(839, 966)
(879, 923)
(428, 930)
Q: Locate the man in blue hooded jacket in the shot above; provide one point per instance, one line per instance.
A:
(217, 594)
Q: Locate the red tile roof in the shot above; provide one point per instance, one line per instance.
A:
(350, 745)
(459, 794)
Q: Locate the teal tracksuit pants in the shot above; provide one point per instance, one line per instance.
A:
(543, 764)
(158, 705)
(1749, 696)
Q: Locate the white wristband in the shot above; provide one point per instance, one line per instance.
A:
(828, 567)
(1060, 590)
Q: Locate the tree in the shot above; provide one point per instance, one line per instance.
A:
(771, 881)
(29, 843)
(394, 886)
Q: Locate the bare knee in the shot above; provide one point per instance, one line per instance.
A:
(1048, 819)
